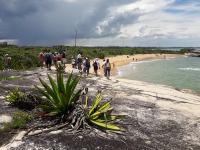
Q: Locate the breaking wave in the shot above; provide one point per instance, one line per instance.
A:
(190, 69)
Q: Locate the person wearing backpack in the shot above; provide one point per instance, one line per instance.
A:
(87, 66)
(107, 68)
(48, 59)
(96, 66)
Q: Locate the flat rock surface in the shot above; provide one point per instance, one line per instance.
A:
(157, 117)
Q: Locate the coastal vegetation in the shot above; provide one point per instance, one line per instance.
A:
(27, 57)
(67, 102)
(60, 102)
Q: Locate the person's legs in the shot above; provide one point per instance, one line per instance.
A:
(40, 64)
(104, 70)
(50, 63)
(46, 63)
(88, 70)
(108, 74)
(95, 71)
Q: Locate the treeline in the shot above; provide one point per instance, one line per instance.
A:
(27, 57)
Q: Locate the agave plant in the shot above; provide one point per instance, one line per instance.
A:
(101, 114)
(60, 67)
(61, 96)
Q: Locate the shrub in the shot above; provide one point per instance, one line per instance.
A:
(20, 119)
(101, 114)
(61, 96)
(22, 100)
(101, 55)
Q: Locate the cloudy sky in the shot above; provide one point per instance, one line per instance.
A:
(101, 22)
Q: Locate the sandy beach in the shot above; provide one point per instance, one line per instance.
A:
(121, 60)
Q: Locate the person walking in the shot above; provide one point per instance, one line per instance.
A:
(73, 61)
(87, 66)
(48, 59)
(107, 68)
(79, 62)
(41, 59)
(104, 67)
(96, 67)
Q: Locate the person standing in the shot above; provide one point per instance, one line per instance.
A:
(7, 62)
(96, 67)
(55, 58)
(79, 62)
(73, 62)
(48, 59)
(87, 66)
(104, 67)
(107, 68)
(41, 59)
(63, 55)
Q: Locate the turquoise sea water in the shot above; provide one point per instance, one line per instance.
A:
(182, 73)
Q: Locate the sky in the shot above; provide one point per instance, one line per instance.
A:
(161, 23)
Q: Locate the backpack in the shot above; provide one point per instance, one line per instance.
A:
(48, 56)
(95, 64)
(87, 63)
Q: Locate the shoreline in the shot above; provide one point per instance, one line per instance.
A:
(122, 60)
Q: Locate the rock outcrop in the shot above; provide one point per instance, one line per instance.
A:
(157, 117)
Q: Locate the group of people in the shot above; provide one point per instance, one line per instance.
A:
(47, 58)
(83, 64)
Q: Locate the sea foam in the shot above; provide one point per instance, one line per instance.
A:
(190, 69)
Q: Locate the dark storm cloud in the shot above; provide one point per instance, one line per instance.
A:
(55, 21)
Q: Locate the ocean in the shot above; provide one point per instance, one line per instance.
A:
(181, 73)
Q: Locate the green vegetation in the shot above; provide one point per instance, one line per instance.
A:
(27, 57)
(63, 102)
(3, 78)
(14, 96)
(22, 57)
(101, 114)
(20, 119)
(61, 96)
(22, 100)
(60, 67)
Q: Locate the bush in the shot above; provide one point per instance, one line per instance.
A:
(20, 119)
(22, 100)
(101, 55)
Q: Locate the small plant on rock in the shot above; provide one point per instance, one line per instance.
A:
(20, 119)
(100, 114)
(22, 100)
(61, 95)
(14, 96)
